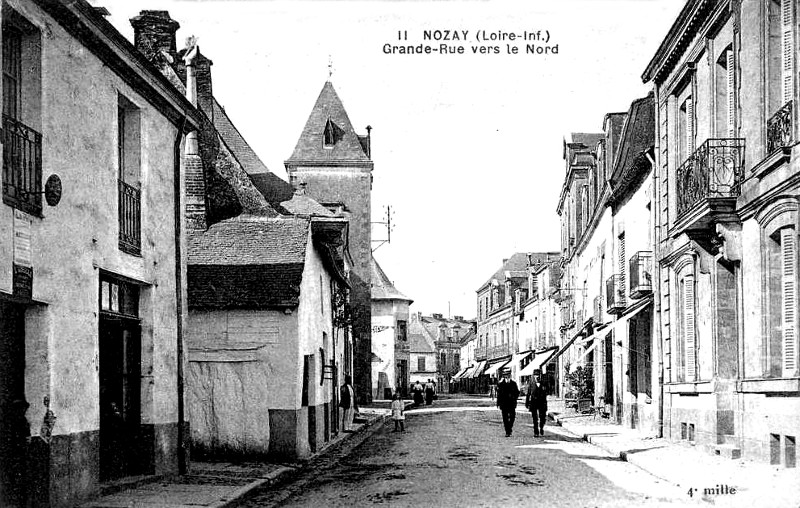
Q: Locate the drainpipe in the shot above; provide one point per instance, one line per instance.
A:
(176, 154)
(657, 297)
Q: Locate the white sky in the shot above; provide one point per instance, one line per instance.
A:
(467, 148)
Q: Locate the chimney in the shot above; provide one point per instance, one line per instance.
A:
(369, 142)
(154, 32)
(194, 176)
(205, 92)
(458, 318)
(505, 260)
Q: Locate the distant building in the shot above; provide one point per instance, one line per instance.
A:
(421, 351)
(389, 336)
(448, 334)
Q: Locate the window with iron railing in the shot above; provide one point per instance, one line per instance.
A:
(615, 294)
(779, 129)
(22, 144)
(641, 274)
(129, 192)
(714, 170)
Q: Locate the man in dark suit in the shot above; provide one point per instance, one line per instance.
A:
(536, 402)
(347, 401)
(507, 394)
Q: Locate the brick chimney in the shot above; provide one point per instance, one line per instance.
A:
(205, 92)
(153, 32)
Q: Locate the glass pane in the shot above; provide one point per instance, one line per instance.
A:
(104, 292)
(114, 298)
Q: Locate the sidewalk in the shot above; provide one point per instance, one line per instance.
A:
(711, 478)
(222, 484)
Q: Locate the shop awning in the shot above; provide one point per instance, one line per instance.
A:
(478, 370)
(581, 333)
(517, 358)
(459, 374)
(493, 368)
(539, 359)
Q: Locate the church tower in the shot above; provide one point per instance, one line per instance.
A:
(335, 165)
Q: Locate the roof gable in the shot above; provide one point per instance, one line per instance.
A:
(328, 117)
(382, 287)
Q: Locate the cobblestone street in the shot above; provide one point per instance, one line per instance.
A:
(455, 453)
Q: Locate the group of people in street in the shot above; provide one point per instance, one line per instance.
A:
(426, 394)
(507, 393)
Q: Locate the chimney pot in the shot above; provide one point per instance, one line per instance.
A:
(154, 32)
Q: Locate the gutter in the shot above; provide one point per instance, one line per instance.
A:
(179, 292)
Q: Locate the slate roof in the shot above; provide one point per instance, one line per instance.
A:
(419, 339)
(302, 204)
(274, 189)
(347, 147)
(244, 286)
(250, 240)
(588, 139)
(382, 287)
(236, 143)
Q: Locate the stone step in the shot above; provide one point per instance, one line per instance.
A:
(728, 451)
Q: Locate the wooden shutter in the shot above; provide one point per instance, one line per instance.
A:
(787, 49)
(622, 285)
(789, 290)
(689, 338)
(731, 79)
(689, 127)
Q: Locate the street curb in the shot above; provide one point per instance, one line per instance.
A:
(278, 477)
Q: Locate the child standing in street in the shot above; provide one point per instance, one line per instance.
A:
(398, 413)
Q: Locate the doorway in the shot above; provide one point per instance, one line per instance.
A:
(14, 428)
(120, 346)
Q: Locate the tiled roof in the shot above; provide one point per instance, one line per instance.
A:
(588, 139)
(237, 144)
(519, 262)
(249, 240)
(419, 339)
(244, 286)
(382, 287)
(310, 145)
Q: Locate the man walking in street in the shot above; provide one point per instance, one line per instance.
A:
(536, 402)
(507, 394)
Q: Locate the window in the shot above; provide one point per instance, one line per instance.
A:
(688, 339)
(685, 132)
(129, 161)
(725, 94)
(22, 143)
(443, 360)
(457, 359)
(782, 288)
(119, 297)
(331, 134)
(421, 363)
(402, 331)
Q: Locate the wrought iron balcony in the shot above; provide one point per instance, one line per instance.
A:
(615, 294)
(779, 128)
(641, 274)
(22, 166)
(130, 219)
(711, 175)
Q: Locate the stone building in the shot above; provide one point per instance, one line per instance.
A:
(448, 334)
(726, 90)
(539, 322)
(92, 290)
(389, 336)
(421, 351)
(336, 165)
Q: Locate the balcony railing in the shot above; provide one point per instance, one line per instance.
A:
(714, 170)
(130, 219)
(641, 274)
(779, 128)
(615, 295)
(22, 166)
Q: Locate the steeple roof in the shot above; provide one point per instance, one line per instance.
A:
(382, 287)
(339, 143)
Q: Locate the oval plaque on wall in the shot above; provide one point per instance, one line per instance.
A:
(52, 190)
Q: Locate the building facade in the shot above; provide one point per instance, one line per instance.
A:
(725, 82)
(389, 336)
(92, 298)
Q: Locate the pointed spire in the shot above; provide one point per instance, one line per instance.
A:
(329, 116)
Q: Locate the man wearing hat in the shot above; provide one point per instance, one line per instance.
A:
(507, 393)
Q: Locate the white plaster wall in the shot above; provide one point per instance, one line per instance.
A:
(596, 253)
(80, 235)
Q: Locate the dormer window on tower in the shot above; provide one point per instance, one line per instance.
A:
(329, 136)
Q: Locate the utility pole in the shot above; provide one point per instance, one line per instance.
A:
(389, 227)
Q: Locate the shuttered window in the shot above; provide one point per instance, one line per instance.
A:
(788, 238)
(731, 93)
(787, 49)
(689, 126)
(689, 332)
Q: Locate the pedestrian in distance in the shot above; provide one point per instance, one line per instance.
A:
(347, 401)
(417, 392)
(398, 413)
(430, 390)
(536, 402)
(507, 394)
